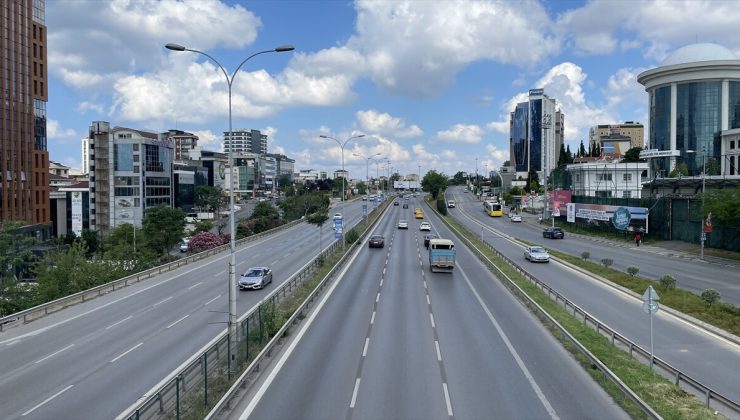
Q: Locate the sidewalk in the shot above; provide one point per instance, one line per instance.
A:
(676, 249)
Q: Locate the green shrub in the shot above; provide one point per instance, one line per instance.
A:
(441, 205)
(668, 282)
(632, 271)
(351, 237)
(585, 255)
(710, 296)
(607, 262)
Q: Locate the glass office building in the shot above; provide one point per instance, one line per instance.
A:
(534, 133)
(694, 96)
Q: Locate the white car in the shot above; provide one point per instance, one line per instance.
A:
(516, 217)
(403, 224)
(425, 226)
(337, 216)
(451, 204)
(184, 245)
(536, 254)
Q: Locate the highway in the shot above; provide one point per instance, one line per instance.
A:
(93, 360)
(702, 355)
(394, 340)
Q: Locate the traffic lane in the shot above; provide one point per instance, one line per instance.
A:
(695, 352)
(512, 366)
(400, 377)
(695, 276)
(320, 373)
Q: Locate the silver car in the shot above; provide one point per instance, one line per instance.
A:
(536, 254)
(255, 278)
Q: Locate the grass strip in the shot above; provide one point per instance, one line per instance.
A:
(669, 400)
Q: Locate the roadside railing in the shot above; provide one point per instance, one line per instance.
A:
(595, 361)
(44, 309)
(618, 340)
(205, 376)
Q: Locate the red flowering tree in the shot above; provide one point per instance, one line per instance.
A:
(205, 241)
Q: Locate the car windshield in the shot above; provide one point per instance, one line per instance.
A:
(376, 237)
(255, 272)
(538, 249)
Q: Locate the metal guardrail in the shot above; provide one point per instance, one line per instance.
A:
(679, 378)
(595, 361)
(32, 314)
(201, 373)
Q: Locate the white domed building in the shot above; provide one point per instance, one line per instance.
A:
(694, 105)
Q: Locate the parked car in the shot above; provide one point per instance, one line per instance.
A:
(451, 204)
(403, 224)
(553, 233)
(376, 241)
(516, 217)
(536, 254)
(427, 237)
(255, 278)
(425, 226)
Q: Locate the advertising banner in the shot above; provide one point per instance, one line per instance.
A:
(557, 200)
(405, 185)
(622, 218)
(338, 228)
(77, 212)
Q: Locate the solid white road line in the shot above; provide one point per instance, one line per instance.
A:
(127, 352)
(175, 323)
(211, 301)
(162, 301)
(543, 399)
(447, 399)
(195, 285)
(354, 393)
(54, 354)
(116, 323)
(364, 350)
(46, 401)
(439, 353)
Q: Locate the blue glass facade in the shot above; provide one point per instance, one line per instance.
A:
(734, 105)
(660, 125)
(519, 136)
(535, 134)
(123, 157)
(698, 121)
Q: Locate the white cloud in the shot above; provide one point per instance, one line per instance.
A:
(54, 131)
(498, 156)
(384, 124)
(209, 141)
(85, 106)
(622, 87)
(499, 126)
(461, 133)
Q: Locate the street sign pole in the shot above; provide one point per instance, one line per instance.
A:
(650, 305)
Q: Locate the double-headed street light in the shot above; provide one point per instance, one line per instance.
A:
(232, 230)
(367, 173)
(344, 174)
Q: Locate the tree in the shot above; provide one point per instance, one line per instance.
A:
(93, 244)
(120, 247)
(569, 153)
(164, 227)
(724, 205)
(210, 198)
(533, 180)
(563, 157)
(713, 167)
(581, 150)
(202, 226)
(434, 182)
(681, 170)
(15, 251)
(459, 179)
(361, 188)
(318, 218)
(205, 241)
(633, 155)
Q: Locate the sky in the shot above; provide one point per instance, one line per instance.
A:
(429, 83)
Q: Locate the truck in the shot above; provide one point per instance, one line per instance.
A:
(205, 215)
(441, 255)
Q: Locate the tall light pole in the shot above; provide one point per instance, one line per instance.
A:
(233, 342)
(344, 174)
(367, 174)
(702, 234)
(546, 122)
(419, 165)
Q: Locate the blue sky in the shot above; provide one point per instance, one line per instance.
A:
(429, 83)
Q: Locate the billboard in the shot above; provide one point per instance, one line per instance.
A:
(557, 200)
(405, 185)
(77, 213)
(621, 218)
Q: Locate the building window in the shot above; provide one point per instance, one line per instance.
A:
(627, 177)
(605, 177)
(123, 157)
(626, 194)
(732, 144)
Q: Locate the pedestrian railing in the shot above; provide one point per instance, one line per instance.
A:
(712, 399)
(44, 309)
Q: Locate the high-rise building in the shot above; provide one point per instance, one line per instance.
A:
(694, 102)
(285, 165)
(183, 142)
(537, 130)
(130, 171)
(85, 155)
(245, 141)
(613, 138)
(24, 159)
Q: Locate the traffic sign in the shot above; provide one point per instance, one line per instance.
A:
(650, 300)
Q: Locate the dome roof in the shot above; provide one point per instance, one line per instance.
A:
(699, 52)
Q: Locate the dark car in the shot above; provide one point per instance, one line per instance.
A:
(427, 237)
(376, 241)
(553, 233)
(395, 203)
(405, 205)
(255, 278)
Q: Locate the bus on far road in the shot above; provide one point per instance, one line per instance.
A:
(493, 209)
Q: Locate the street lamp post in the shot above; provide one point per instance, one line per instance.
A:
(702, 234)
(367, 175)
(344, 174)
(233, 342)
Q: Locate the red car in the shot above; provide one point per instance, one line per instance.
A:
(376, 241)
